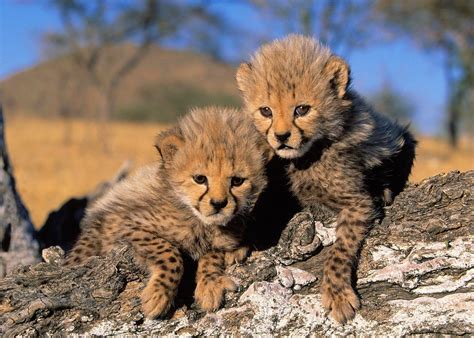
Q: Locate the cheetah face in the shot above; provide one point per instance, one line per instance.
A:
(294, 90)
(216, 192)
(290, 130)
(217, 168)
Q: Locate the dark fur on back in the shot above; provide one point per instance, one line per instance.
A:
(386, 151)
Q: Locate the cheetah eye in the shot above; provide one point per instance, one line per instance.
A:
(265, 111)
(237, 181)
(301, 110)
(200, 179)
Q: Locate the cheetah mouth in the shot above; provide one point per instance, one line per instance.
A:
(216, 213)
(284, 147)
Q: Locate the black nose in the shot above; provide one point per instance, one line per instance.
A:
(218, 205)
(283, 137)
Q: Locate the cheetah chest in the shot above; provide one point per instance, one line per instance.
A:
(197, 240)
(316, 184)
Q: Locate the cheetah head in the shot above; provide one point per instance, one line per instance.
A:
(295, 91)
(215, 161)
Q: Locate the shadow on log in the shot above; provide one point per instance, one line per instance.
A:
(415, 277)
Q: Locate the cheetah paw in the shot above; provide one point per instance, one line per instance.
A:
(341, 305)
(236, 257)
(156, 301)
(210, 291)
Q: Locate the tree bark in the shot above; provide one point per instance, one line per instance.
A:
(415, 276)
(17, 234)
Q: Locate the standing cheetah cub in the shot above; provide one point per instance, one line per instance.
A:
(340, 152)
(194, 201)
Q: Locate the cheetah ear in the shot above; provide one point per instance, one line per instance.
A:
(168, 143)
(242, 76)
(338, 72)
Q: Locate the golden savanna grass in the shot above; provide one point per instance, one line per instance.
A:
(50, 169)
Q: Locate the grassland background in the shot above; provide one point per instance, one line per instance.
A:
(49, 170)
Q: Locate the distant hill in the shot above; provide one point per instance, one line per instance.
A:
(164, 85)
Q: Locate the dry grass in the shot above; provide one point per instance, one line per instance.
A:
(49, 171)
(435, 156)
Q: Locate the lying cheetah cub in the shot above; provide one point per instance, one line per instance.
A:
(340, 152)
(210, 175)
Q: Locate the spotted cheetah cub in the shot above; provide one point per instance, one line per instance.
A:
(193, 200)
(340, 152)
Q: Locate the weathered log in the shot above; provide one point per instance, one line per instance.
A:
(415, 276)
(17, 234)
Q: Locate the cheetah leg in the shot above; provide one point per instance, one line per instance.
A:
(165, 265)
(211, 282)
(338, 296)
(88, 244)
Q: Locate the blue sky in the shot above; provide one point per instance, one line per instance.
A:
(413, 72)
(21, 24)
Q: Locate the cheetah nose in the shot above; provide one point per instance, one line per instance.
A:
(218, 205)
(283, 137)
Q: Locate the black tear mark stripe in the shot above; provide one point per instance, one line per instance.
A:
(299, 129)
(200, 198)
(203, 194)
(268, 129)
(236, 201)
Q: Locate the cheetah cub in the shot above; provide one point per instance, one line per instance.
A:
(193, 200)
(340, 152)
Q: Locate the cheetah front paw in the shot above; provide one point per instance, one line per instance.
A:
(341, 304)
(210, 291)
(237, 256)
(156, 300)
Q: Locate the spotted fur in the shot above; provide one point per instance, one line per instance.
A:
(194, 200)
(340, 152)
